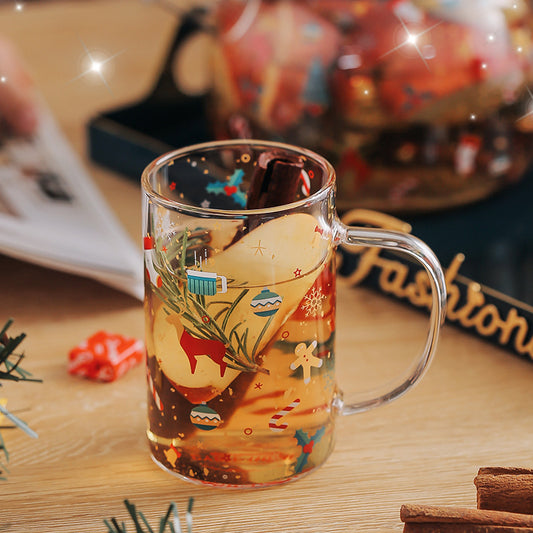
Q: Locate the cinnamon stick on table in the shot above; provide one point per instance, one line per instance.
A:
(444, 519)
(505, 489)
(418, 527)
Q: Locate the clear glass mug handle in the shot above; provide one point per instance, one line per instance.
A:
(420, 252)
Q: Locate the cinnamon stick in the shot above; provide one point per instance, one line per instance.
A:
(275, 181)
(428, 527)
(496, 470)
(433, 514)
(505, 489)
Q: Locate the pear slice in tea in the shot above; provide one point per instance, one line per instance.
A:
(268, 272)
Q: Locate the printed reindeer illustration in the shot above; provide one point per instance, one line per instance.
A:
(194, 347)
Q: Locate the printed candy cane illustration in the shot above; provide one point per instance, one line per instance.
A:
(155, 396)
(273, 424)
(153, 276)
(305, 177)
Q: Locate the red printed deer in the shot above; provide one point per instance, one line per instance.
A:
(194, 347)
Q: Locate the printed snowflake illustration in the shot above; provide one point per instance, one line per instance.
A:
(313, 303)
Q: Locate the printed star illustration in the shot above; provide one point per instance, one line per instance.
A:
(259, 249)
(306, 359)
(172, 455)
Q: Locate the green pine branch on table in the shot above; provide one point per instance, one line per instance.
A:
(170, 519)
(11, 370)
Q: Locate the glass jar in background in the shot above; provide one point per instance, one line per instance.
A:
(421, 105)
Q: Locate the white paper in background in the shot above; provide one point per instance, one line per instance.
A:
(52, 214)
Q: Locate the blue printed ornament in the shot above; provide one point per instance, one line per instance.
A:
(203, 417)
(266, 303)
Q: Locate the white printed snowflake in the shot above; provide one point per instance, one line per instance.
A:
(313, 303)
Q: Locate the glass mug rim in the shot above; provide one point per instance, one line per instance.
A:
(164, 160)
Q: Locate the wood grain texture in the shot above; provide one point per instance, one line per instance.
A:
(471, 409)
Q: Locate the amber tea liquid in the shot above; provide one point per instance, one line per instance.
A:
(217, 424)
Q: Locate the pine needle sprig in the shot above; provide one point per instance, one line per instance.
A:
(196, 311)
(170, 520)
(10, 370)
(9, 360)
(3, 467)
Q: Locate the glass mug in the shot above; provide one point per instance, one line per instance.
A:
(240, 240)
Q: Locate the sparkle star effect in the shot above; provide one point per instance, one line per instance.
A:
(95, 65)
(412, 40)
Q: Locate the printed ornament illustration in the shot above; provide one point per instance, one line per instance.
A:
(205, 283)
(203, 417)
(266, 303)
(153, 276)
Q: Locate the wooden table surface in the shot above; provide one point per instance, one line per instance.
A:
(471, 409)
